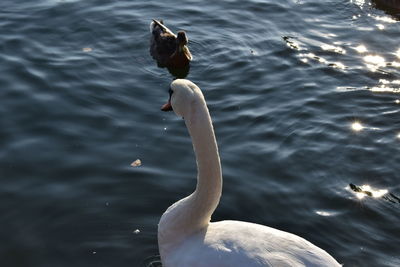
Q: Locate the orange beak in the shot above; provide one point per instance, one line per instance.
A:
(167, 106)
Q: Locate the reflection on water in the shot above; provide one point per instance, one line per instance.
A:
(358, 2)
(357, 126)
(387, 86)
(361, 49)
(374, 62)
(385, 19)
(336, 49)
(325, 213)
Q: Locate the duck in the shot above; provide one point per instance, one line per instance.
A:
(168, 49)
(186, 235)
(390, 6)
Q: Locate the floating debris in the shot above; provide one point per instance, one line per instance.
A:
(137, 231)
(87, 49)
(136, 163)
(358, 189)
(366, 190)
(290, 43)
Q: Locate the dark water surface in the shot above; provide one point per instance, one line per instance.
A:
(286, 84)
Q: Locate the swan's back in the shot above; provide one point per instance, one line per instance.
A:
(235, 243)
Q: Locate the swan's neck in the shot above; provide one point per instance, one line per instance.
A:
(209, 179)
(193, 213)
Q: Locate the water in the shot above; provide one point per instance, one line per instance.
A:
(286, 84)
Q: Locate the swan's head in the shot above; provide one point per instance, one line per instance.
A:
(183, 95)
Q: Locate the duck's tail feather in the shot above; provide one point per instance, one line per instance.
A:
(156, 23)
(160, 24)
(152, 25)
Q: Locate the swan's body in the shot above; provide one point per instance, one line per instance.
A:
(185, 235)
(168, 49)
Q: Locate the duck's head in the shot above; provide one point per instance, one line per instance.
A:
(181, 46)
(183, 94)
(181, 38)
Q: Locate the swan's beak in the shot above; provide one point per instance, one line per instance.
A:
(167, 106)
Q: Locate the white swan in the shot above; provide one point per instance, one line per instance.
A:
(187, 238)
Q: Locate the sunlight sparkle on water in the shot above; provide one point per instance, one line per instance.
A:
(360, 195)
(356, 126)
(375, 193)
(336, 49)
(374, 62)
(385, 19)
(387, 86)
(398, 53)
(325, 213)
(359, 2)
(361, 49)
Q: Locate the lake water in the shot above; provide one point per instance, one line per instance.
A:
(305, 99)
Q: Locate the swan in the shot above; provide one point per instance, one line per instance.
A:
(187, 238)
(168, 49)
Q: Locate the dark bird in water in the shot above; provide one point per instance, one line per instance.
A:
(168, 49)
(391, 7)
